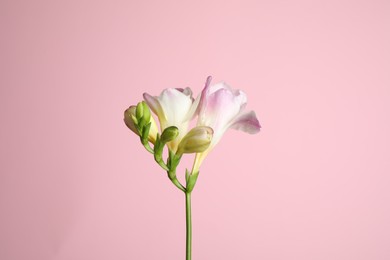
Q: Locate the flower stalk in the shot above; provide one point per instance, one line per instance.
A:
(188, 226)
(217, 109)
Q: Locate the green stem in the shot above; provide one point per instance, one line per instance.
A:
(188, 226)
(176, 182)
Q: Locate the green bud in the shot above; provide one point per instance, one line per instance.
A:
(169, 134)
(146, 111)
(197, 140)
(142, 114)
(139, 111)
(142, 123)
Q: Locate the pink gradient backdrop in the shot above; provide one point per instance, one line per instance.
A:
(75, 184)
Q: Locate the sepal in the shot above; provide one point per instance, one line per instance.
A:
(191, 179)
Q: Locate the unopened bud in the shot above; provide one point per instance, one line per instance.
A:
(169, 134)
(143, 114)
(129, 117)
(146, 111)
(139, 110)
(197, 140)
(139, 126)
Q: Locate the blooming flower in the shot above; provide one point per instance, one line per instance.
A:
(221, 108)
(218, 108)
(174, 107)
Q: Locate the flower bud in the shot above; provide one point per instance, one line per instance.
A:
(130, 120)
(169, 134)
(139, 110)
(196, 141)
(142, 114)
(134, 124)
(146, 111)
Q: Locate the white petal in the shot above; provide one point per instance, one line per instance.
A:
(186, 91)
(240, 98)
(174, 107)
(155, 106)
(194, 109)
(175, 104)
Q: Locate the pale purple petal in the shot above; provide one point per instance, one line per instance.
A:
(220, 85)
(241, 99)
(203, 97)
(246, 122)
(221, 108)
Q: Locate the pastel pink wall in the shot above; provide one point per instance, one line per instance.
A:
(75, 184)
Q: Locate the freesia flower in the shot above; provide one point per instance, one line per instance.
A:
(221, 108)
(174, 107)
(218, 108)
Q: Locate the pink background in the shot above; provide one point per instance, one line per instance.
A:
(75, 184)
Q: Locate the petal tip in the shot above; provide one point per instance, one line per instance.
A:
(208, 80)
(248, 123)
